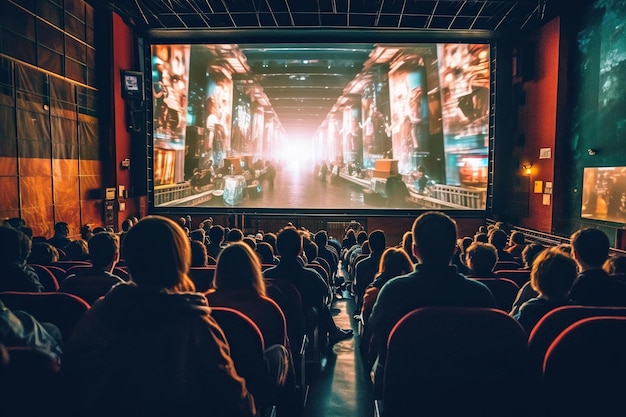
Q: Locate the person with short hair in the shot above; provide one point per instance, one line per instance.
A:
(15, 273)
(517, 243)
(216, 241)
(151, 347)
(312, 287)
(92, 283)
(434, 282)
(594, 286)
(481, 259)
(61, 235)
(498, 238)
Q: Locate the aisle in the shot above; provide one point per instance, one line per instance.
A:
(341, 389)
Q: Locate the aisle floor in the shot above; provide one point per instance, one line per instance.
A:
(341, 388)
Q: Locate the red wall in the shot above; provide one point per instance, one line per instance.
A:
(123, 59)
(537, 121)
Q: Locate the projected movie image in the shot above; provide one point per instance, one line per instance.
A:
(604, 194)
(321, 127)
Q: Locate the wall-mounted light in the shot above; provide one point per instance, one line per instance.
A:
(527, 168)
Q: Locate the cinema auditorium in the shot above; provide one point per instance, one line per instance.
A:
(298, 208)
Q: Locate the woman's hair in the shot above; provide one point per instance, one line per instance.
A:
(553, 273)
(615, 264)
(238, 267)
(395, 262)
(158, 254)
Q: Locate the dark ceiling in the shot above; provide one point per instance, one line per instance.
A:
(330, 40)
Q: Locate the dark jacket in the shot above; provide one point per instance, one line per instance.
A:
(595, 287)
(140, 352)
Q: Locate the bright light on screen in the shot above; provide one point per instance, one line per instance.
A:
(405, 128)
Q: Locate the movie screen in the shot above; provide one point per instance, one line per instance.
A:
(604, 194)
(321, 127)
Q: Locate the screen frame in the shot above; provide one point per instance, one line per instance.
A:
(313, 36)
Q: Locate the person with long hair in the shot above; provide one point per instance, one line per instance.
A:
(151, 347)
(239, 285)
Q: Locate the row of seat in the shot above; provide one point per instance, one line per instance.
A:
(449, 361)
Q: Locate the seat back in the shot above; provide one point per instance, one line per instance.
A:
(46, 277)
(554, 322)
(584, 368)
(202, 277)
(504, 291)
(288, 298)
(507, 265)
(520, 276)
(30, 383)
(61, 309)
(246, 349)
(58, 272)
(450, 361)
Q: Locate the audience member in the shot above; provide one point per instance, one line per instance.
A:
(481, 237)
(93, 283)
(20, 329)
(61, 236)
(594, 286)
(43, 253)
(458, 259)
(407, 245)
(16, 274)
(552, 277)
(615, 265)
(266, 253)
(216, 240)
(517, 243)
(366, 269)
(326, 251)
(151, 347)
(86, 232)
(199, 256)
(393, 263)
(77, 250)
(239, 285)
(234, 235)
(526, 292)
(434, 282)
(481, 259)
(498, 238)
(312, 287)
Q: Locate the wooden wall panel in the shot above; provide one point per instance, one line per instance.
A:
(40, 219)
(91, 211)
(9, 198)
(8, 166)
(69, 213)
(35, 167)
(35, 191)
